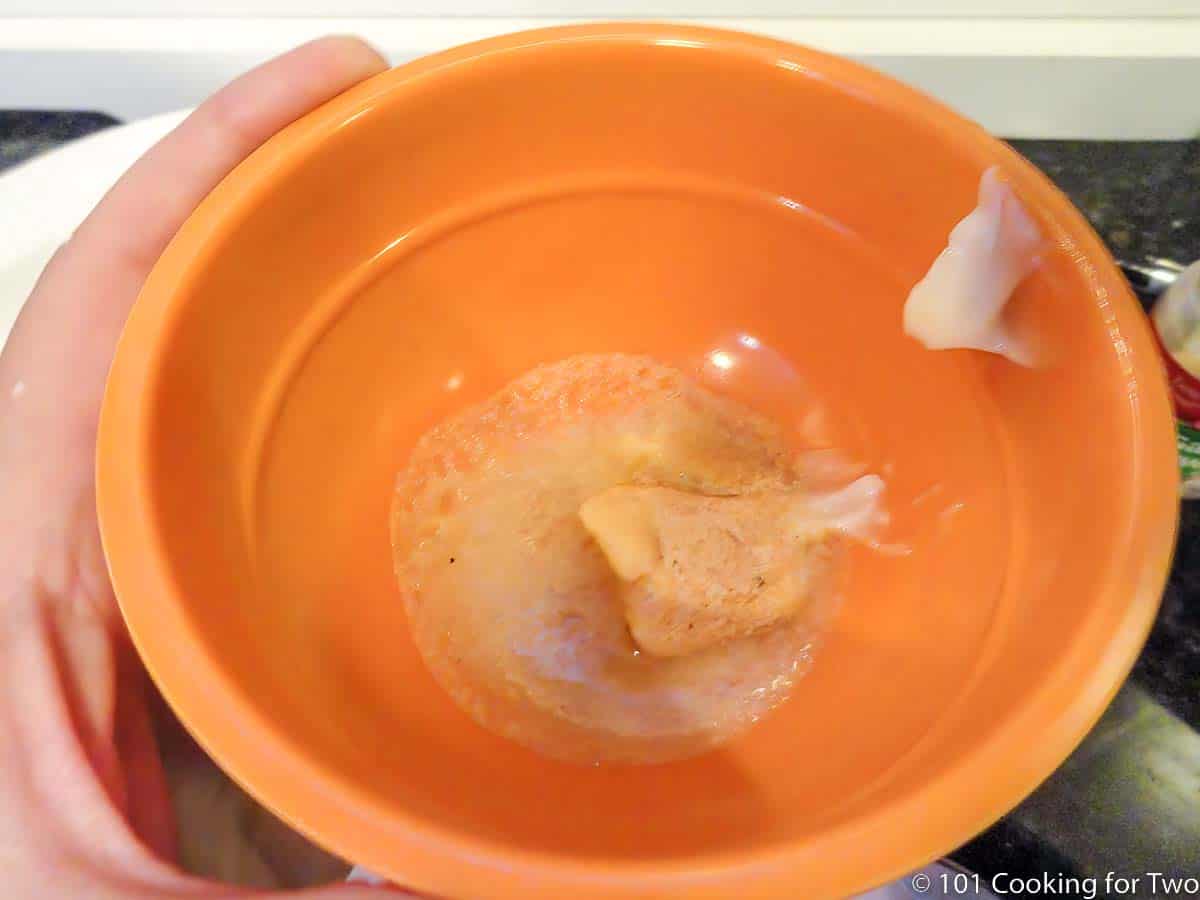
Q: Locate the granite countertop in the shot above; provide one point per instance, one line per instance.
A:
(1128, 800)
(26, 133)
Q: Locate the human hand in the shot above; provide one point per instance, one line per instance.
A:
(85, 809)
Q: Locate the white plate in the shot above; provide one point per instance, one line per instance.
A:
(43, 201)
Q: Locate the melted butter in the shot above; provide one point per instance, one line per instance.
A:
(521, 613)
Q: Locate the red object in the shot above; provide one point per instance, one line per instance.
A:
(1185, 387)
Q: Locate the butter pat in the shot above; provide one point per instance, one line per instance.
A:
(622, 523)
(698, 570)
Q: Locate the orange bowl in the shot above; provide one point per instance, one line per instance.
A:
(437, 230)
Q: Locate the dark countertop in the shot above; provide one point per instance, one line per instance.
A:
(26, 133)
(1142, 197)
(1128, 800)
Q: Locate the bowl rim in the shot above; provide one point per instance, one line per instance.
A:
(909, 830)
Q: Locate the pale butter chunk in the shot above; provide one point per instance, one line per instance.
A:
(959, 304)
(700, 570)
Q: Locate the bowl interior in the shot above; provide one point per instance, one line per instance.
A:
(439, 233)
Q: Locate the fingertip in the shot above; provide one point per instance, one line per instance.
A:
(351, 52)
